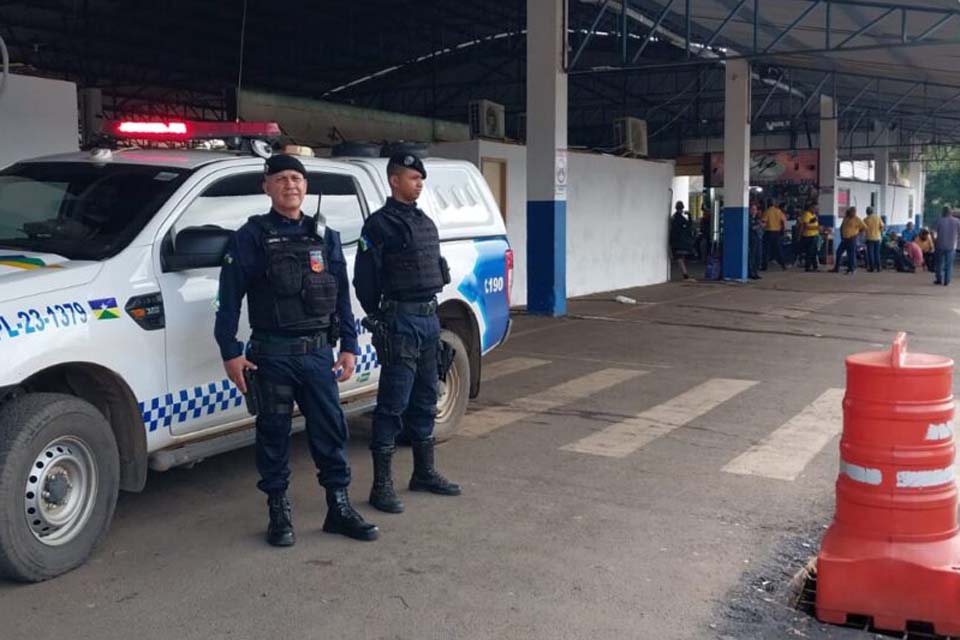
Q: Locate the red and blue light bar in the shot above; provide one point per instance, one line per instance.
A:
(181, 130)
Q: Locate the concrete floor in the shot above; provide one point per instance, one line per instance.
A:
(545, 542)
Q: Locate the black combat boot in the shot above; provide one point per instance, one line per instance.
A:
(343, 519)
(382, 494)
(425, 477)
(280, 529)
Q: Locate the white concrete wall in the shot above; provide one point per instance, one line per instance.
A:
(898, 200)
(618, 213)
(617, 217)
(37, 117)
(681, 191)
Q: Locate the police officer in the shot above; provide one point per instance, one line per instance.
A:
(292, 270)
(755, 242)
(398, 273)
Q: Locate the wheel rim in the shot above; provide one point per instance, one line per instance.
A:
(447, 394)
(60, 491)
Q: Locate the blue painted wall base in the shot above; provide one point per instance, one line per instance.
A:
(735, 243)
(547, 257)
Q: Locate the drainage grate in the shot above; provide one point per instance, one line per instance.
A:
(806, 602)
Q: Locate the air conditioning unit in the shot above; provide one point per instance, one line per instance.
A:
(486, 120)
(630, 135)
(522, 127)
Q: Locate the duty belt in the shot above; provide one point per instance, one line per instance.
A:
(292, 346)
(412, 308)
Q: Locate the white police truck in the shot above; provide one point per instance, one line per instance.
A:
(109, 267)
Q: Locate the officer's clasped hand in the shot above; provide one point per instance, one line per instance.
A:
(344, 367)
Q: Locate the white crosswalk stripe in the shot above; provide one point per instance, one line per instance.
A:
(510, 366)
(493, 418)
(785, 453)
(622, 439)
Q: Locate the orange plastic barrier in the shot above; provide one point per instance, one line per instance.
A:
(893, 551)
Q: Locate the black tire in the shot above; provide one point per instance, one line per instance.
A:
(450, 410)
(72, 435)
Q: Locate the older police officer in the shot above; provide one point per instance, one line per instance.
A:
(292, 270)
(398, 273)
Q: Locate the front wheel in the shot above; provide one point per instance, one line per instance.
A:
(59, 478)
(453, 394)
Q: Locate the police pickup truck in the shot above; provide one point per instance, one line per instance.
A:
(108, 293)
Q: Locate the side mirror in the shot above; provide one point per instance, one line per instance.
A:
(195, 248)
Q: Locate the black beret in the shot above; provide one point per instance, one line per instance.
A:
(408, 160)
(282, 162)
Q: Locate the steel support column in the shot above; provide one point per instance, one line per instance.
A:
(546, 158)
(829, 216)
(736, 169)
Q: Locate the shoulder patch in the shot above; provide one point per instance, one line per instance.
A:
(365, 243)
(227, 258)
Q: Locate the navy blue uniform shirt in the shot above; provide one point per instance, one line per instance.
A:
(381, 232)
(246, 257)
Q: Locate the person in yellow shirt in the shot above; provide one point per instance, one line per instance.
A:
(874, 233)
(809, 236)
(925, 242)
(774, 222)
(850, 229)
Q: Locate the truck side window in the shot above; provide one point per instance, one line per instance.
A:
(341, 203)
(460, 200)
(227, 203)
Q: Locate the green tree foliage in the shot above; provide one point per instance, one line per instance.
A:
(943, 181)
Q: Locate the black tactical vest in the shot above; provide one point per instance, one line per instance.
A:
(414, 269)
(296, 294)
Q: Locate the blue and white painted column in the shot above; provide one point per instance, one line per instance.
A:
(829, 216)
(546, 159)
(736, 169)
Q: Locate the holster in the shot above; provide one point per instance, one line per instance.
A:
(380, 337)
(252, 396)
(445, 356)
(333, 331)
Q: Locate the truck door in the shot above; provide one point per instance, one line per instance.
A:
(199, 395)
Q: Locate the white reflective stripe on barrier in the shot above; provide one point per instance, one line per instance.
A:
(940, 431)
(861, 474)
(920, 479)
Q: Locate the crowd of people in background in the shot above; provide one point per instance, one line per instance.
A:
(859, 240)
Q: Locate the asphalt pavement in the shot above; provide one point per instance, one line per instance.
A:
(613, 488)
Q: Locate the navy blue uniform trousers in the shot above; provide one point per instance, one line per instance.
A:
(407, 395)
(309, 380)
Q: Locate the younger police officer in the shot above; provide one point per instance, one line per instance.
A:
(399, 272)
(292, 270)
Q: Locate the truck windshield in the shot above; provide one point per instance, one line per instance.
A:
(80, 210)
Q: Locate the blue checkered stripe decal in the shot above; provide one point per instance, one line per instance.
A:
(190, 404)
(366, 359)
